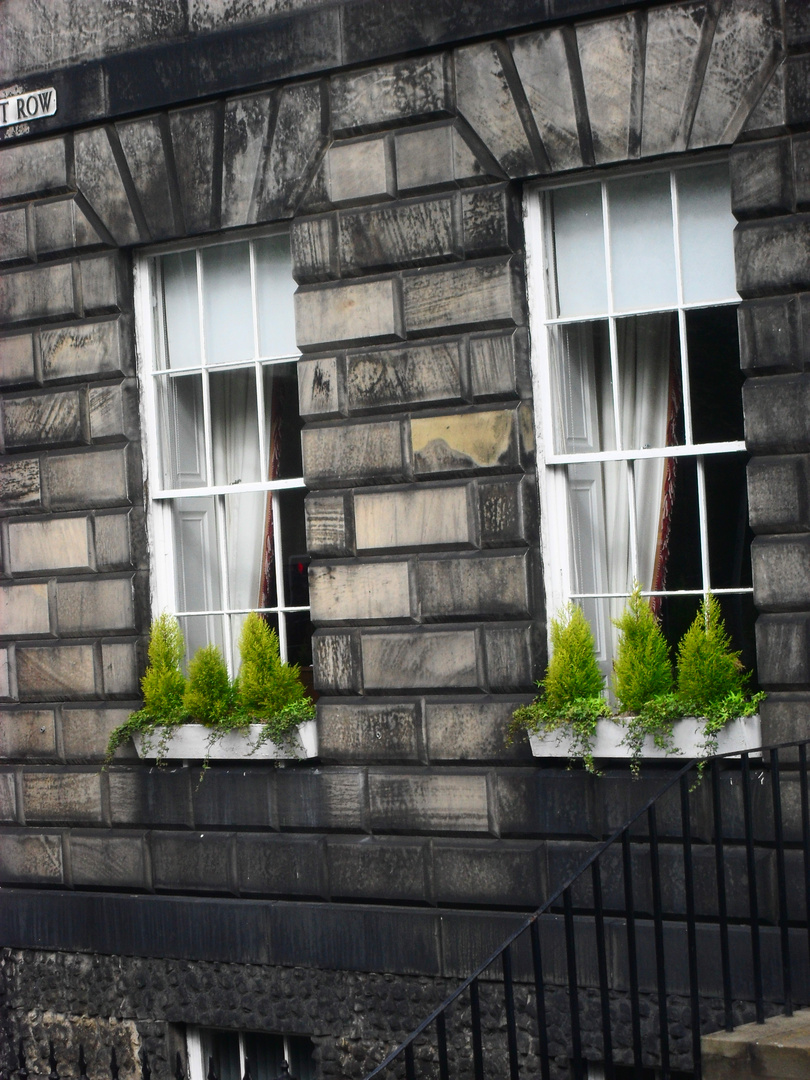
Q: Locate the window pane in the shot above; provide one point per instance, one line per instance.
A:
(706, 234)
(642, 248)
(294, 544)
(196, 554)
(301, 1060)
(682, 567)
(264, 1054)
(235, 427)
(275, 287)
(183, 437)
(181, 309)
(740, 618)
(223, 1047)
(227, 304)
(582, 388)
(245, 521)
(299, 641)
(677, 613)
(282, 422)
(727, 511)
(236, 624)
(714, 375)
(650, 391)
(200, 630)
(579, 243)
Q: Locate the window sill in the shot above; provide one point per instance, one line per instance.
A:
(191, 742)
(744, 733)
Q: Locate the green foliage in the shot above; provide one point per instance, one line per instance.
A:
(209, 696)
(163, 684)
(641, 670)
(573, 672)
(654, 717)
(266, 684)
(708, 670)
(576, 720)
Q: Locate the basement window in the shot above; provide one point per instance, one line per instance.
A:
(638, 398)
(229, 1055)
(220, 388)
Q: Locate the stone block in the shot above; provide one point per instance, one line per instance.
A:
(542, 64)
(797, 98)
(781, 569)
(84, 607)
(33, 168)
(19, 483)
(119, 669)
(773, 256)
(100, 182)
(55, 544)
(359, 591)
(485, 100)
(761, 179)
(116, 861)
(28, 734)
(85, 733)
(106, 413)
(359, 732)
(44, 292)
(313, 243)
(332, 798)
(498, 872)
(406, 234)
(435, 157)
(352, 453)
(336, 663)
(17, 360)
(299, 135)
(281, 866)
(8, 798)
(246, 125)
(768, 117)
(777, 413)
(774, 334)
(232, 796)
(63, 797)
(672, 53)
(360, 171)
(112, 541)
(94, 348)
(56, 672)
(546, 802)
(24, 610)
(428, 802)
(801, 170)
(318, 382)
(472, 730)
(510, 663)
(193, 134)
(94, 478)
(610, 60)
(461, 442)
(432, 517)
(326, 525)
(482, 586)
(142, 143)
(779, 493)
(393, 377)
(420, 660)
(366, 868)
(13, 237)
(43, 420)
(783, 650)
(501, 509)
(490, 221)
(31, 858)
(391, 94)
(200, 862)
(347, 314)
(60, 227)
(102, 284)
(151, 797)
(8, 687)
(462, 297)
(784, 719)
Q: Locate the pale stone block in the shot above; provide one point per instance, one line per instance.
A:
(44, 420)
(345, 314)
(400, 376)
(85, 732)
(86, 606)
(31, 858)
(27, 734)
(399, 235)
(106, 407)
(62, 797)
(470, 730)
(542, 64)
(56, 672)
(419, 518)
(365, 591)
(42, 293)
(19, 482)
(245, 133)
(432, 659)
(100, 182)
(119, 667)
(359, 170)
(494, 585)
(112, 541)
(96, 478)
(671, 52)
(431, 157)
(24, 610)
(352, 452)
(118, 861)
(326, 525)
(336, 662)
(62, 226)
(33, 168)
(87, 349)
(464, 441)
(5, 673)
(492, 366)
(17, 360)
(369, 732)
(100, 284)
(433, 802)
(8, 798)
(387, 94)
(13, 236)
(472, 295)
(318, 387)
(609, 57)
(58, 544)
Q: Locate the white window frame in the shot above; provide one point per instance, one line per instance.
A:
(160, 533)
(555, 535)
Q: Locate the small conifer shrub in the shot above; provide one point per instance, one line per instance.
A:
(708, 669)
(641, 670)
(266, 683)
(209, 696)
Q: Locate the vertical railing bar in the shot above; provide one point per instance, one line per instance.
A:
(573, 992)
(410, 1069)
(632, 958)
(441, 1045)
(753, 904)
(601, 961)
(779, 839)
(691, 934)
(722, 902)
(540, 999)
(805, 800)
(658, 926)
(475, 1015)
(509, 1001)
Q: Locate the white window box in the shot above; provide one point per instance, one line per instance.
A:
(192, 742)
(744, 733)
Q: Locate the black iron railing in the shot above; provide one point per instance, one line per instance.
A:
(691, 918)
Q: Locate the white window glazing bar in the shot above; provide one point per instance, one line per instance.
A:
(206, 396)
(257, 368)
(230, 489)
(600, 316)
(696, 450)
(742, 591)
(278, 558)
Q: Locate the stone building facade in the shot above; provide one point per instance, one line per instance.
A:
(397, 145)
